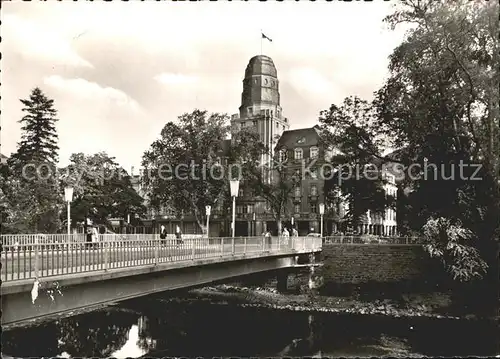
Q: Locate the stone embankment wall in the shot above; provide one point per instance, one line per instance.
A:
(369, 263)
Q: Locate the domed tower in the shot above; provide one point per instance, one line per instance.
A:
(260, 101)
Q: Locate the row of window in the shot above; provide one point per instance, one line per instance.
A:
(249, 208)
(313, 190)
(254, 124)
(298, 153)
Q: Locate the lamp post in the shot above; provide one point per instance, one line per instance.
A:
(208, 209)
(68, 196)
(321, 212)
(254, 229)
(235, 187)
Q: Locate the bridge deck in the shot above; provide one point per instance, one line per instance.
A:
(35, 260)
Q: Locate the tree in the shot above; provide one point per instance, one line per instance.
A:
(32, 191)
(441, 103)
(439, 109)
(189, 167)
(274, 183)
(101, 189)
(346, 129)
(39, 139)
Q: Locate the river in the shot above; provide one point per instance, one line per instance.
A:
(158, 326)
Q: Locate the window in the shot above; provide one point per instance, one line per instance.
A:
(250, 110)
(314, 208)
(297, 191)
(297, 208)
(239, 209)
(250, 208)
(314, 190)
(282, 155)
(314, 173)
(244, 209)
(298, 153)
(301, 140)
(314, 152)
(255, 123)
(240, 193)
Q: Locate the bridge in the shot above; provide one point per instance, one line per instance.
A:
(44, 275)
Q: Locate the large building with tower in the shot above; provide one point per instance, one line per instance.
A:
(261, 110)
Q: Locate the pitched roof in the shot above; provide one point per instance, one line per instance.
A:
(300, 137)
(3, 158)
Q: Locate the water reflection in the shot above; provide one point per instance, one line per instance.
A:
(161, 328)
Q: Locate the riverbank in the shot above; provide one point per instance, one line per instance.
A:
(417, 305)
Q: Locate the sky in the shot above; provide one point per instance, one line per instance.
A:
(118, 72)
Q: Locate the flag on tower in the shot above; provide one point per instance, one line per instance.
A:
(265, 37)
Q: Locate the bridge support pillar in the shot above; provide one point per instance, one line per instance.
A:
(282, 282)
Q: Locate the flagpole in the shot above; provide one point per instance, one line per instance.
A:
(261, 42)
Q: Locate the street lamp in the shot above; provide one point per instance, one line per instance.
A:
(321, 212)
(235, 186)
(208, 209)
(254, 229)
(68, 196)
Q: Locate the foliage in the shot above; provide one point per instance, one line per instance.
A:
(39, 137)
(189, 166)
(448, 242)
(32, 200)
(359, 175)
(440, 103)
(438, 109)
(101, 189)
(275, 184)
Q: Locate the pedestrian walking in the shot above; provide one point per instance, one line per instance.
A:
(268, 240)
(163, 234)
(95, 237)
(178, 235)
(286, 236)
(88, 243)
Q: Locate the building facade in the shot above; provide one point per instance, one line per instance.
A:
(302, 154)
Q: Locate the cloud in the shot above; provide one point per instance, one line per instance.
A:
(138, 65)
(39, 42)
(175, 79)
(306, 79)
(90, 90)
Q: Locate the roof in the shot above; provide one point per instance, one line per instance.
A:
(261, 65)
(3, 158)
(299, 137)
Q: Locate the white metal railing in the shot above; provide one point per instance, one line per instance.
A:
(38, 257)
(371, 239)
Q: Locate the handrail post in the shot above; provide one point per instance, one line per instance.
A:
(232, 246)
(106, 251)
(37, 274)
(245, 246)
(221, 246)
(156, 244)
(193, 249)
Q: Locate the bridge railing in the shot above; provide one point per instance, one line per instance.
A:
(38, 259)
(371, 239)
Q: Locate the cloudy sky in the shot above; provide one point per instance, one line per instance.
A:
(119, 71)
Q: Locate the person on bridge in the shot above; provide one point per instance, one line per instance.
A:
(267, 238)
(178, 235)
(163, 234)
(295, 233)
